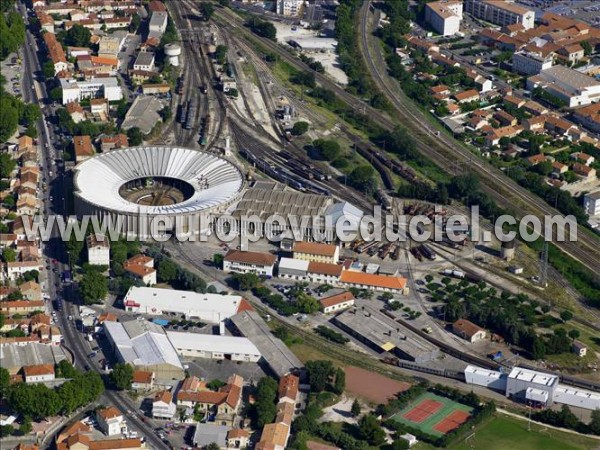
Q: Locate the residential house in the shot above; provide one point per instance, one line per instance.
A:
(468, 330)
(163, 406)
(98, 250)
(110, 421)
(238, 438)
(288, 390)
(17, 268)
(23, 307)
(588, 117)
(585, 172)
(142, 380)
(249, 262)
(76, 112)
(99, 108)
(144, 61)
(108, 143)
(337, 302)
(583, 158)
(31, 290)
(571, 53)
(142, 268)
(325, 273)
(317, 252)
(83, 148)
(38, 373)
(559, 168)
(505, 119)
(470, 95)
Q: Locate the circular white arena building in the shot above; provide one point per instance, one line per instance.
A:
(134, 186)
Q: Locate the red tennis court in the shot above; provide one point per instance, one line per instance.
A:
(452, 421)
(422, 411)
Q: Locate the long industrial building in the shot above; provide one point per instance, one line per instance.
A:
(383, 334)
(212, 308)
(210, 346)
(276, 354)
(532, 387)
(145, 346)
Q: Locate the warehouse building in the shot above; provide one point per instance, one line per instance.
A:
(212, 308)
(145, 346)
(209, 346)
(293, 269)
(532, 387)
(278, 357)
(492, 379)
(383, 334)
(13, 357)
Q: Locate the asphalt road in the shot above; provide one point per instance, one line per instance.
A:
(54, 251)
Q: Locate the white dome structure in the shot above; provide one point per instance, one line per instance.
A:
(136, 182)
(173, 51)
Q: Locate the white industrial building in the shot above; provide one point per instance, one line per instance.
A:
(75, 91)
(444, 16)
(145, 346)
(212, 308)
(530, 63)
(144, 61)
(314, 43)
(501, 13)
(571, 86)
(210, 346)
(491, 379)
(249, 262)
(293, 269)
(158, 24)
(532, 387)
(591, 203)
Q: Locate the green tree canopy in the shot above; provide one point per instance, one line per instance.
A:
(328, 148)
(319, 373)
(93, 287)
(78, 36)
(135, 136)
(299, 128)
(121, 376)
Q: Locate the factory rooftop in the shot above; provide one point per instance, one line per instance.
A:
(278, 356)
(266, 202)
(13, 357)
(532, 376)
(142, 343)
(214, 343)
(385, 334)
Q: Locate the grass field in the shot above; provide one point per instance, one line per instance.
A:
(430, 421)
(507, 433)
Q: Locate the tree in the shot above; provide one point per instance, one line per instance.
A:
(167, 270)
(135, 136)
(213, 446)
(56, 94)
(245, 281)
(307, 304)
(4, 381)
(26, 426)
(538, 350)
(574, 334)
(587, 48)
(370, 430)
(319, 373)
(121, 376)
(207, 10)
(328, 148)
(362, 177)
(7, 165)
(78, 36)
(224, 3)
(215, 385)
(356, 408)
(400, 444)
(595, 422)
(48, 70)
(93, 287)
(340, 381)
(218, 260)
(264, 409)
(9, 254)
(566, 316)
(299, 128)
(66, 370)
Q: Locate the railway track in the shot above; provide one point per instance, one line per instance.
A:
(445, 153)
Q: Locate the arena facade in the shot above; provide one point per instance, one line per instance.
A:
(133, 186)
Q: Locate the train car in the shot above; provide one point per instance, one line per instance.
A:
(428, 252)
(204, 89)
(191, 114)
(396, 253)
(384, 199)
(182, 113)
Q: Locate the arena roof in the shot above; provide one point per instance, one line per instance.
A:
(215, 181)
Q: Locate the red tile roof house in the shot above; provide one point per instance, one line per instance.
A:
(244, 262)
(337, 302)
(468, 330)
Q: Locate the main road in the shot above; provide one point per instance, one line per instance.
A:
(444, 151)
(54, 251)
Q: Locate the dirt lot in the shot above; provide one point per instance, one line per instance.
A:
(371, 386)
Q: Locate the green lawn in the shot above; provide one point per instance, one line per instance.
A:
(507, 433)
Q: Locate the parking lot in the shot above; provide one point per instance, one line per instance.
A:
(11, 71)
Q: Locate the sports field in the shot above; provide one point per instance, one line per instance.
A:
(433, 414)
